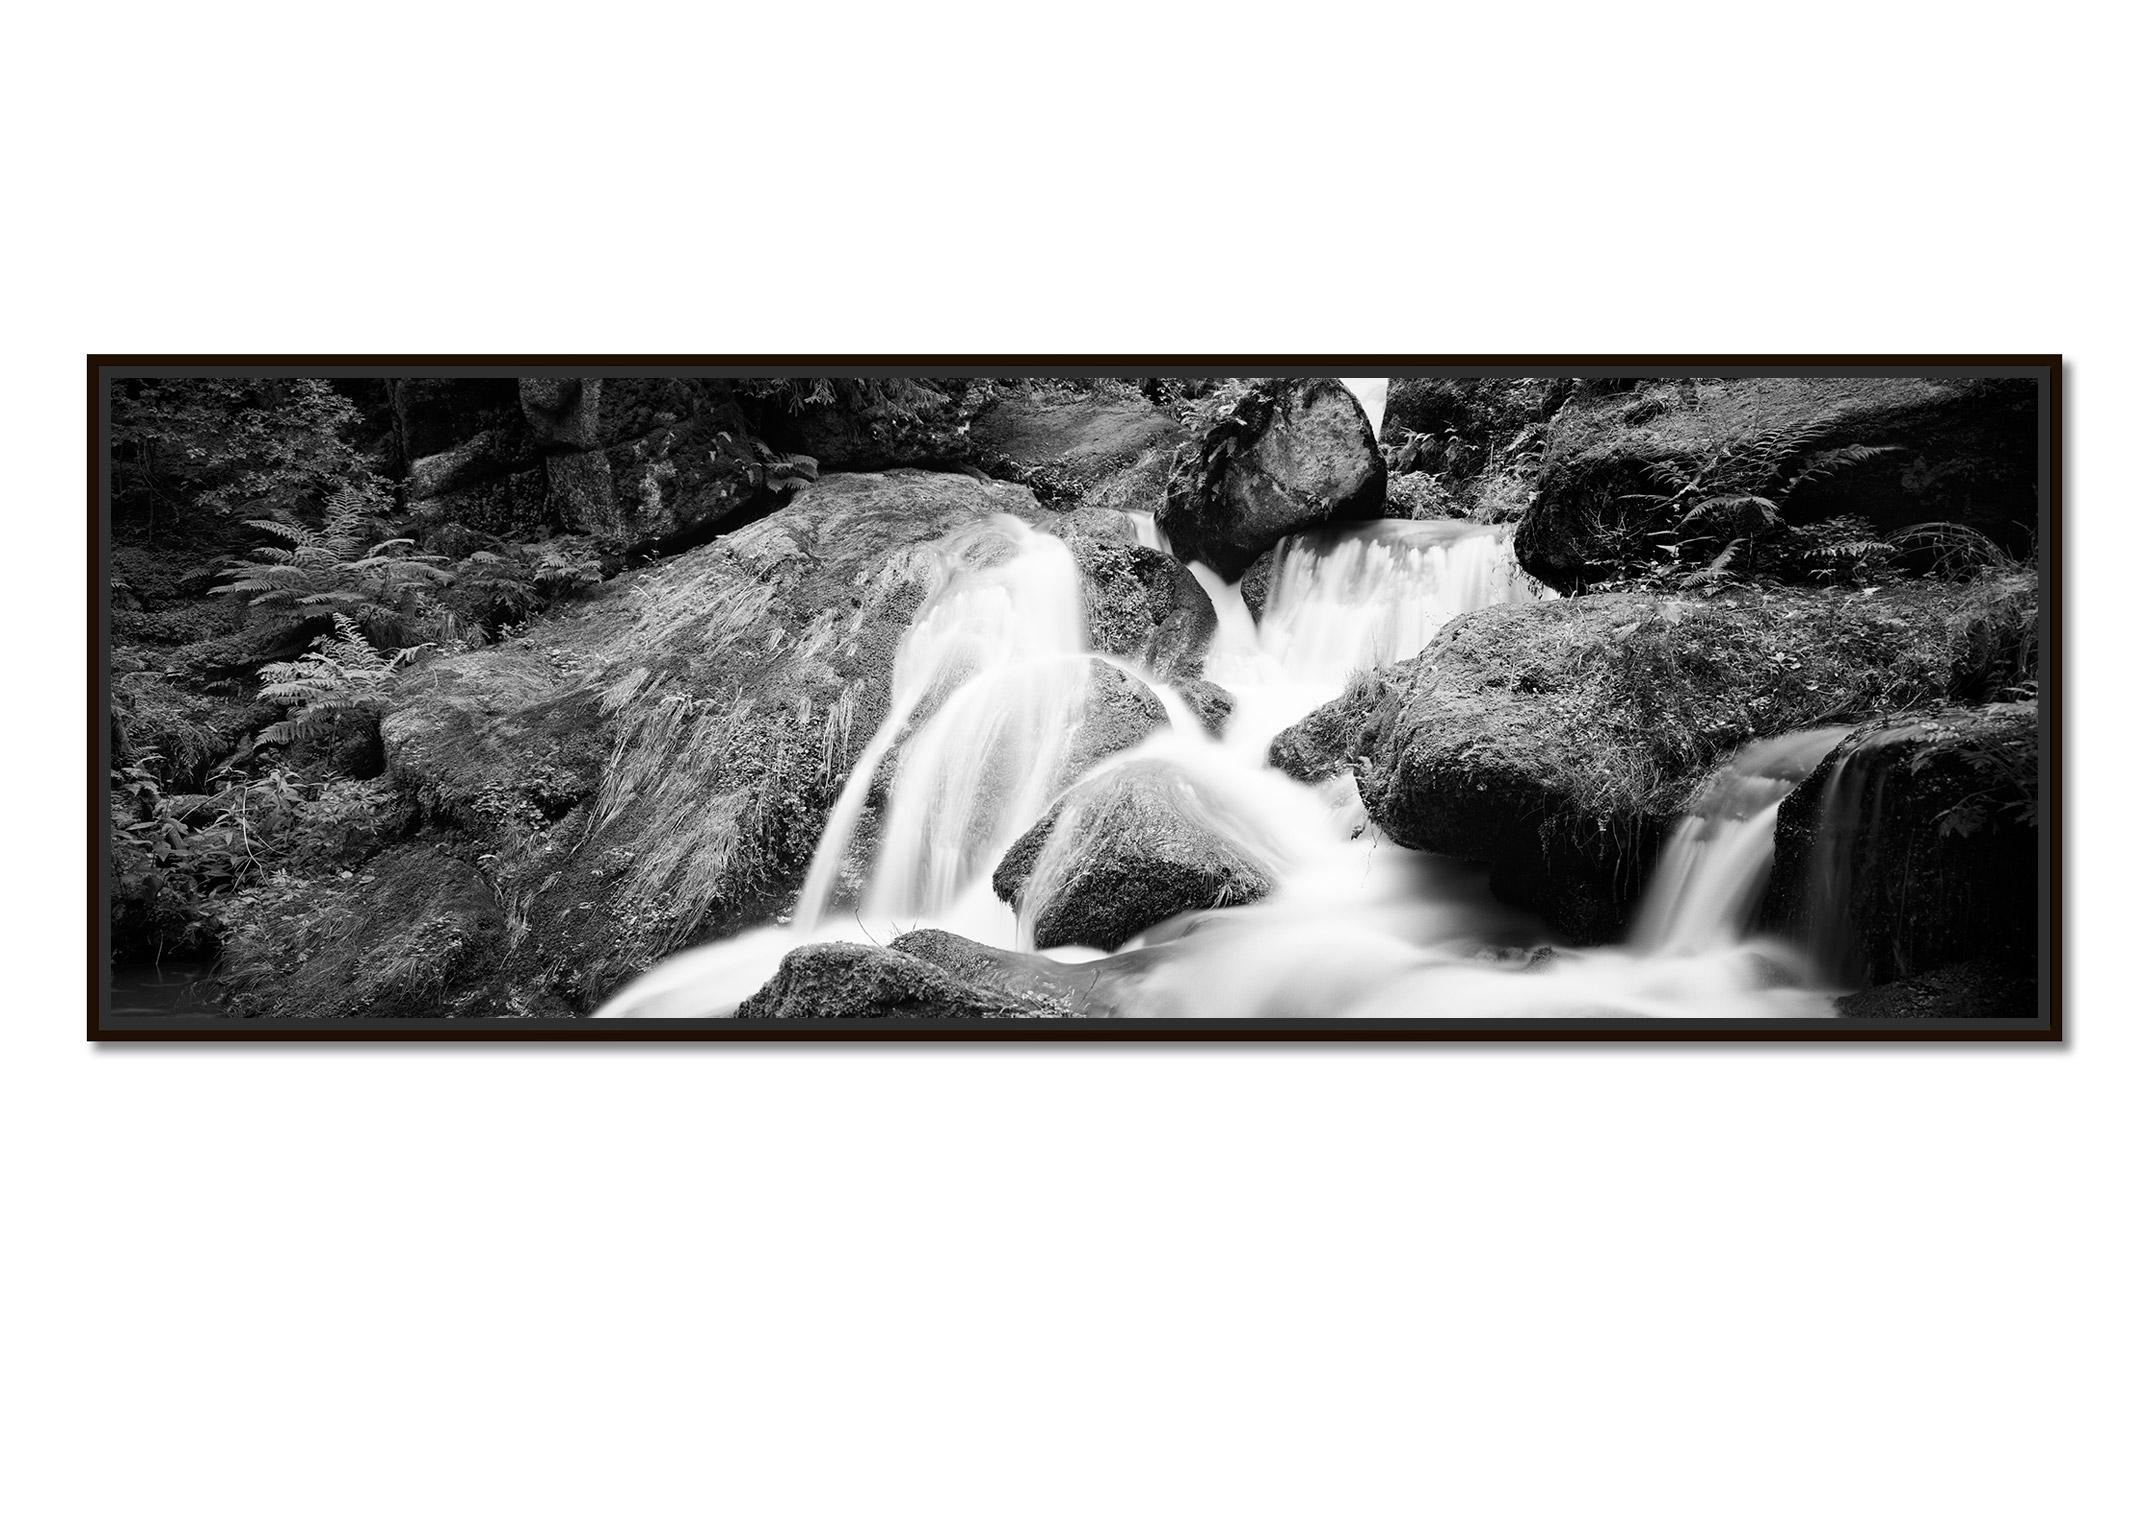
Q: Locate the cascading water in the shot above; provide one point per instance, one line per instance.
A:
(1709, 881)
(990, 685)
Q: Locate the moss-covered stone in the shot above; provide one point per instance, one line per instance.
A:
(1957, 450)
(1121, 854)
(1913, 847)
(1294, 454)
(1557, 741)
(840, 981)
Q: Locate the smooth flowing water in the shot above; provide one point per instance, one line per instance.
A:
(991, 684)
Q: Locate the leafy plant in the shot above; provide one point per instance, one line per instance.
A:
(342, 568)
(343, 679)
(217, 446)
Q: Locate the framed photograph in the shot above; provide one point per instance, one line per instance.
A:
(1061, 699)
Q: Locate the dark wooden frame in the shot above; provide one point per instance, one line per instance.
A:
(2047, 1028)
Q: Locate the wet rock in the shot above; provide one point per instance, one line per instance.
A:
(1078, 988)
(1557, 741)
(1212, 703)
(1254, 585)
(841, 981)
(1143, 605)
(1296, 454)
(1119, 713)
(1913, 847)
(1959, 450)
(1330, 740)
(1122, 853)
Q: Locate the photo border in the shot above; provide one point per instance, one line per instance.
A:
(2047, 1028)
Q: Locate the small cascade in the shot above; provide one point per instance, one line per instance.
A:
(1709, 882)
(1851, 801)
(989, 683)
(1346, 599)
(1377, 593)
(1372, 396)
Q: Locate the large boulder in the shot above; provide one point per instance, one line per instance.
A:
(635, 463)
(653, 766)
(1624, 469)
(1558, 741)
(838, 980)
(1143, 605)
(1122, 853)
(1294, 454)
(1103, 445)
(1913, 847)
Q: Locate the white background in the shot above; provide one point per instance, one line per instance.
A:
(1019, 1292)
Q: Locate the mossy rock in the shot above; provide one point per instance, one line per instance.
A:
(1913, 847)
(1294, 454)
(1958, 450)
(1121, 854)
(841, 981)
(1558, 741)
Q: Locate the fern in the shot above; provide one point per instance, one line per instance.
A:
(342, 678)
(341, 568)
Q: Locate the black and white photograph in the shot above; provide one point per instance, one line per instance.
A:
(1137, 770)
(1442, 699)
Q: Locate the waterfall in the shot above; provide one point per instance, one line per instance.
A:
(1376, 593)
(991, 683)
(1709, 881)
(1851, 801)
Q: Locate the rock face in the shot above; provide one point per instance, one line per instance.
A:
(1122, 853)
(631, 462)
(1296, 454)
(1913, 848)
(841, 981)
(1960, 451)
(1102, 451)
(1557, 741)
(653, 766)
